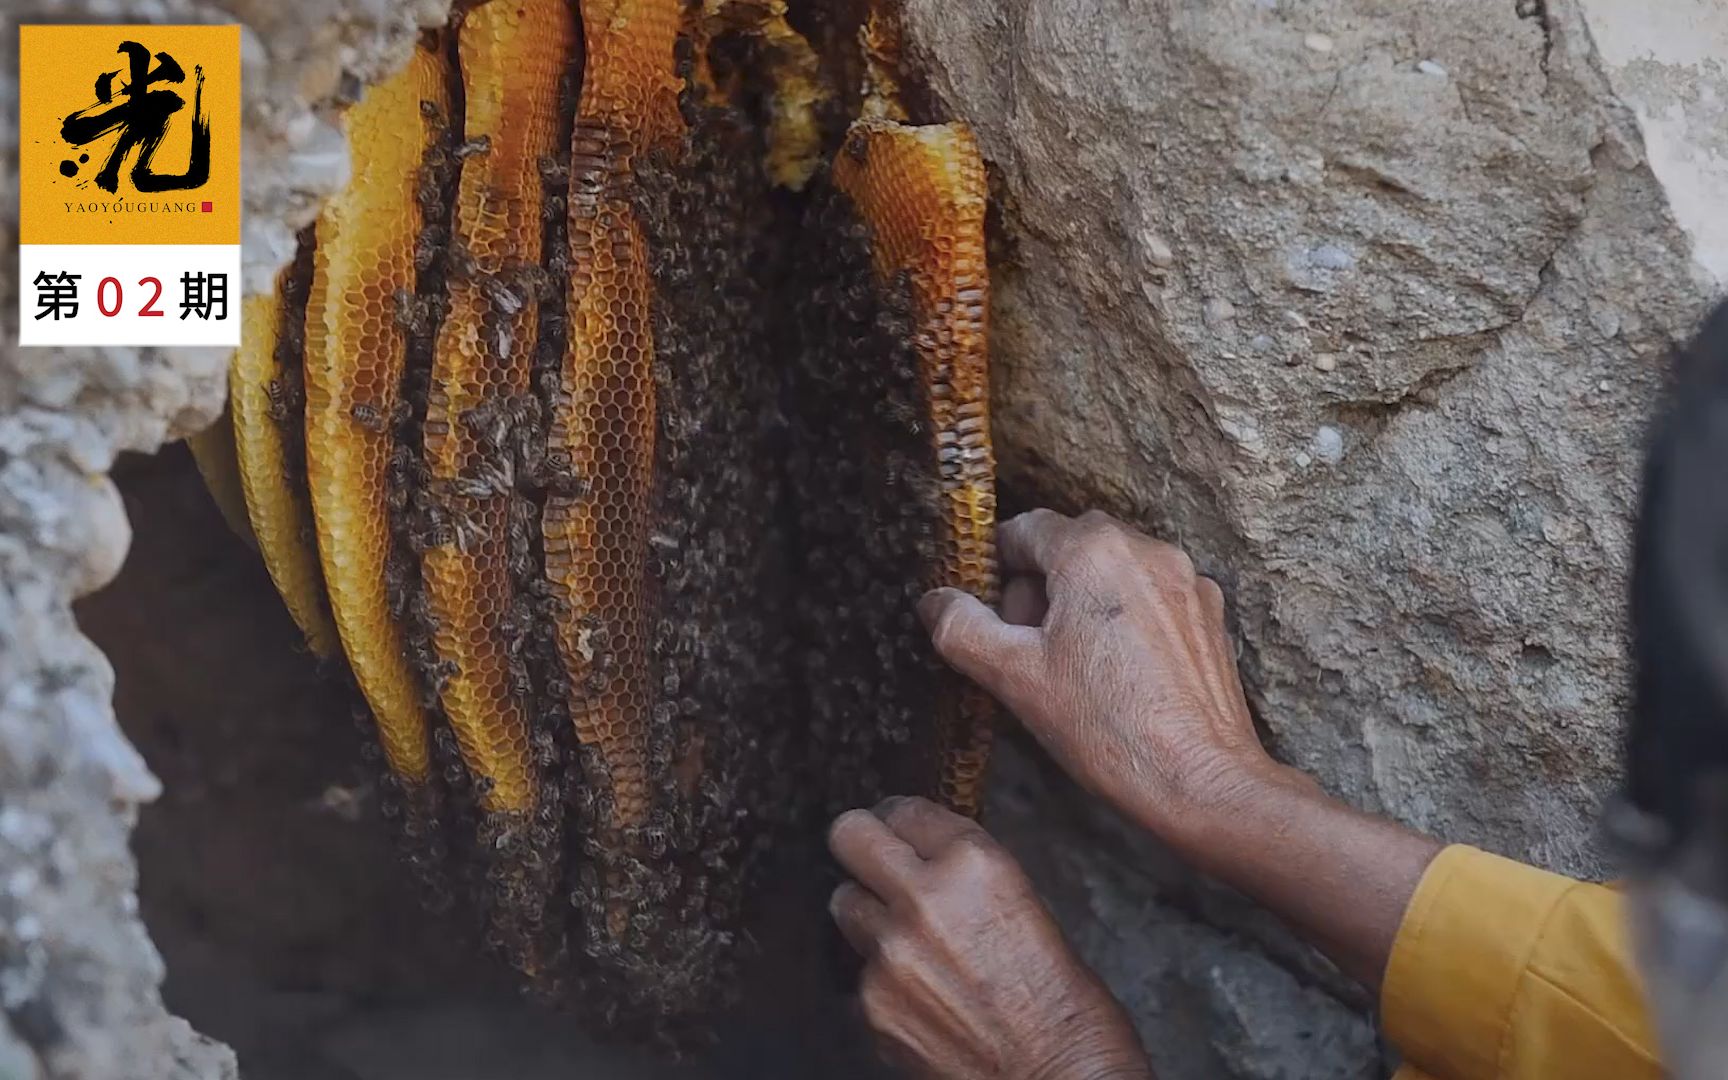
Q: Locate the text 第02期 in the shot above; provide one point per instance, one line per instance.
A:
(129, 193)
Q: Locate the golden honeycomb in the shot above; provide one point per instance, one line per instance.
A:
(794, 72)
(602, 414)
(355, 355)
(264, 400)
(213, 452)
(921, 191)
(512, 56)
(621, 552)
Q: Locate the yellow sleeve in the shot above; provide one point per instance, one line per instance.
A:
(1504, 972)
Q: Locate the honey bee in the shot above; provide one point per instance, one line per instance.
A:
(500, 338)
(558, 476)
(405, 308)
(553, 172)
(472, 148)
(489, 421)
(521, 685)
(487, 478)
(504, 298)
(433, 534)
(521, 540)
(461, 262)
(280, 405)
(441, 673)
(368, 417)
(427, 250)
(468, 532)
(557, 684)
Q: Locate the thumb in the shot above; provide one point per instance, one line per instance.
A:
(977, 643)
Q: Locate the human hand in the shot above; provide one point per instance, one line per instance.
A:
(966, 974)
(1113, 653)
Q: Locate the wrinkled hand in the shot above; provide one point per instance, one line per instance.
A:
(966, 974)
(1114, 654)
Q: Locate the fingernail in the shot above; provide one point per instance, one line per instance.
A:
(839, 820)
(929, 606)
(887, 806)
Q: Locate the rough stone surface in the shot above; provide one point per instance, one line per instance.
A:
(1216, 987)
(1364, 303)
(1669, 64)
(1495, 269)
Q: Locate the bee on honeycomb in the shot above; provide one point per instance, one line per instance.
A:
(608, 431)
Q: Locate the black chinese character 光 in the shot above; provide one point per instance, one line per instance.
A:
(57, 295)
(204, 295)
(141, 116)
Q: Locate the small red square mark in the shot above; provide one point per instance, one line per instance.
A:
(209, 207)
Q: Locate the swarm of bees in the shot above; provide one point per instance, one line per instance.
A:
(606, 429)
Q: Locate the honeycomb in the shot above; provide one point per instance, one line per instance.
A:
(512, 57)
(214, 454)
(722, 719)
(879, 42)
(631, 432)
(793, 71)
(355, 355)
(267, 404)
(602, 412)
(921, 192)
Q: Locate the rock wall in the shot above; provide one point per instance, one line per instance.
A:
(1365, 304)
(1362, 302)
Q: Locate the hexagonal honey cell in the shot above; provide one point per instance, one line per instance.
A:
(922, 193)
(355, 356)
(512, 55)
(266, 403)
(603, 413)
(561, 675)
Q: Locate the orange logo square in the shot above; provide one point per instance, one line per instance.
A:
(129, 134)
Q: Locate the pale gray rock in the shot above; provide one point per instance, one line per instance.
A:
(1216, 988)
(1434, 626)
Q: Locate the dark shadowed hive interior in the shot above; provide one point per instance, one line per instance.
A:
(627, 442)
(270, 882)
